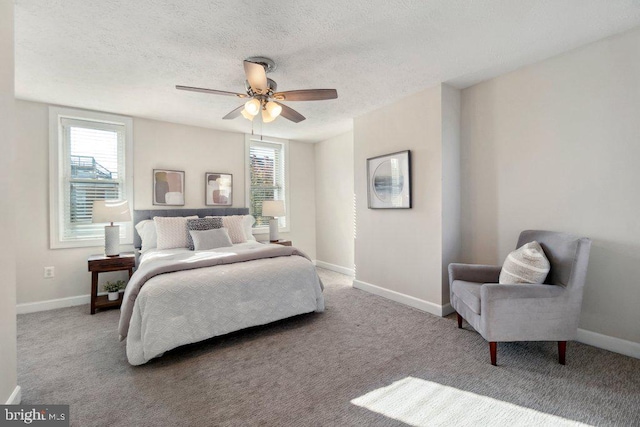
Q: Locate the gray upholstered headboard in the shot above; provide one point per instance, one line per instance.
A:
(149, 214)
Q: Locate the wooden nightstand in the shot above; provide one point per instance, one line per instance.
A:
(279, 242)
(101, 264)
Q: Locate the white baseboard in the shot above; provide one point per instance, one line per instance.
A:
(447, 310)
(429, 307)
(16, 396)
(52, 304)
(606, 342)
(337, 268)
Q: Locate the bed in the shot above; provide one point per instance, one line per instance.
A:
(179, 296)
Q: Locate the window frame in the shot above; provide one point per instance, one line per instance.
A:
(57, 180)
(247, 178)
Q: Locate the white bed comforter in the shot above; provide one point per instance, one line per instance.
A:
(188, 306)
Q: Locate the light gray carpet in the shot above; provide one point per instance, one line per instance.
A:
(306, 371)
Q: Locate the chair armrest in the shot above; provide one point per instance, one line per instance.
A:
(524, 312)
(495, 291)
(474, 273)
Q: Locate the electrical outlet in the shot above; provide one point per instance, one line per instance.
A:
(49, 272)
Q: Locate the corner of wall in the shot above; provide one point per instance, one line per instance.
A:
(451, 181)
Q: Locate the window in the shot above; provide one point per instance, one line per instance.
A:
(90, 159)
(266, 177)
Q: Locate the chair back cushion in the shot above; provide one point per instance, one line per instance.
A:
(565, 252)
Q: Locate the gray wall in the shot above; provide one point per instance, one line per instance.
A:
(556, 146)
(335, 216)
(405, 250)
(8, 371)
(401, 249)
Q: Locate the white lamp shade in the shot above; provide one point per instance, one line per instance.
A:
(246, 114)
(110, 211)
(274, 208)
(252, 106)
(266, 117)
(273, 109)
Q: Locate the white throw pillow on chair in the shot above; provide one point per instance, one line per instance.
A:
(527, 264)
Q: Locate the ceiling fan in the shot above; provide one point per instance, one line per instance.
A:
(263, 96)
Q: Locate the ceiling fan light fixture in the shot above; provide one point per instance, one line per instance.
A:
(262, 95)
(247, 115)
(273, 109)
(266, 117)
(252, 106)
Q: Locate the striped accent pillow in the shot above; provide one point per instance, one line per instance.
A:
(527, 264)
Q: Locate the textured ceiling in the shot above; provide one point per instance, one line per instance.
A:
(126, 56)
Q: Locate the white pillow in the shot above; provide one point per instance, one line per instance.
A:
(235, 226)
(147, 231)
(248, 221)
(210, 239)
(527, 264)
(172, 231)
(201, 224)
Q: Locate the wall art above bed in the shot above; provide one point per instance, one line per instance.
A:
(389, 181)
(218, 189)
(168, 187)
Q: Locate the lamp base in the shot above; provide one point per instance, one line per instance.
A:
(273, 230)
(112, 240)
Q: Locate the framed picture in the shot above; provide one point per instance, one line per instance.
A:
(168, 187)
(389, 181)
(218, 189)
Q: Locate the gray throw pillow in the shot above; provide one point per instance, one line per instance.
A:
(210, 239)
(201, 224)
(527, 264)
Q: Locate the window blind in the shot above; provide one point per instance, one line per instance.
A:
(93, 169)
(267, 166)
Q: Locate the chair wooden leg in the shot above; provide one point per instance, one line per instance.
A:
(459, 321)
(562, 351)
(493, 348)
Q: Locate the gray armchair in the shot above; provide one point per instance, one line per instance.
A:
(524, 312)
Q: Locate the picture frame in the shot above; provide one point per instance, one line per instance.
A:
(218, 189)
(389, 181)
(168, 187)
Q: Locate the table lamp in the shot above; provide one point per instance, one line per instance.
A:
(274, 209)
(111, 211)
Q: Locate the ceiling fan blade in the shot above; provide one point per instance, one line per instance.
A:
(306, 95)
(290, 114)
(213, 91)
(233, 114)
(256, 76)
